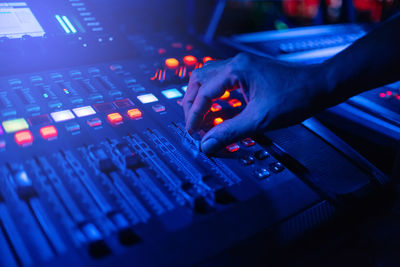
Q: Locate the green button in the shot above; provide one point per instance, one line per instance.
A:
(12, 126)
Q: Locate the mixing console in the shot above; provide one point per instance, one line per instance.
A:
(96, 167)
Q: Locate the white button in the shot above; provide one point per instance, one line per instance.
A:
(147, 98)
(84, 111)
(64, 115)
(172, 93)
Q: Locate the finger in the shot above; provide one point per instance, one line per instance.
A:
(239, 127)
(210, 90)
(190, 95)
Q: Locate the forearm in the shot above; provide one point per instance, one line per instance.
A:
(370, 62)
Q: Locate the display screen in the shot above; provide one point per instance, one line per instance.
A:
(17, 20)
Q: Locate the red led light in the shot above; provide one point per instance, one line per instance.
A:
(248, 142)
(233, 148)
(114, 118)
(382, 95)
(206, 59)
(23, 138)
(134, 114)
(189, 47)
(218, 121)
(226, 95)
(190, 60)
(398, 97)
(48, 132)
(172, 63)
(235, 103)
(162, 51)
(389, 93)
(215, 107)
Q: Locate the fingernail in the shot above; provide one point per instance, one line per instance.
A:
(209, 145)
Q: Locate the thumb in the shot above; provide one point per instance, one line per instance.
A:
(241, 126)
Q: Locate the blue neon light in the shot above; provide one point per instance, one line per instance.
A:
(68, 22)
(63, 24)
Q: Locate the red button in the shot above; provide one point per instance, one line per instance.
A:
(48, 132)
(248, 142)
(114, 118)
(190, 60)
(233, 148)
(23, 138)
(235, 103)
(94, 122)
(218, 121)
(383, 95)
(172, 63)
(226, 95)
(216, 107)
(206, 59)
(134, 113)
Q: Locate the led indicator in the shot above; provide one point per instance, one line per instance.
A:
(190, 60)
(218, 121)
(389, 93)
(48, 132)
(172, 93)
(248, 142)
(84, 111)
(147, 98)
(12, 126)
(69, 24)
(184, 88)
(172, 63)
(23, 138)
(382, 95)
(114, 118)
(64, 115)
(134, 114)
(226, 95)
(216, 107)
(45, 95)
(235, 103)
(95, 122)
(206, 59)
(63, 25)
(232, 148)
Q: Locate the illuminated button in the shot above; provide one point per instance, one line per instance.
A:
(190, 60)
(134, 114)
(147, 98)
(61, 116)
(23, 138)
(235, 103)
(184, 88)
(261, 154)
(382, 95)
(172, 63)
(162, 51)
(172, 93)
(232, 148)
(216, 107)
(48, 132)
(158, 108)
(226, 95)
(389, 93)
(206, 59)
(262, 173)
(248, 142)
(73, 127)
(84, 111)
(276, 167)
(94, 122)
(114, 118)
(218, 121)
(12, 126)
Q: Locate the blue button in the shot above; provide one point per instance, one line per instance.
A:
(172, 93)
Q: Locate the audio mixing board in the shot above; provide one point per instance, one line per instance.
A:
(96, 167)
